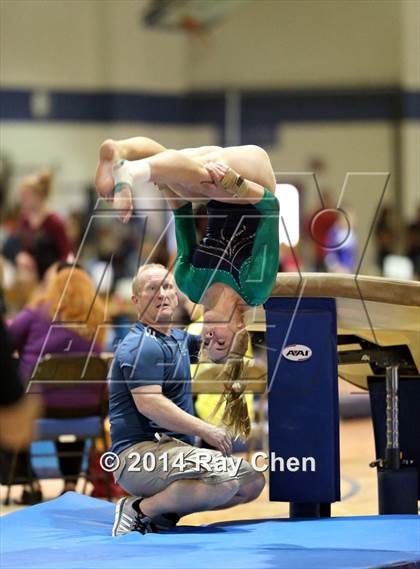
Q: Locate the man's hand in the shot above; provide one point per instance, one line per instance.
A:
(219, 438)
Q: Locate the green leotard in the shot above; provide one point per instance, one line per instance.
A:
(246, 258)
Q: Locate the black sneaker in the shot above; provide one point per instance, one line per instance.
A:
(165, 522)
(127, 519)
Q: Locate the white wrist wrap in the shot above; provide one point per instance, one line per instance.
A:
(125, 172)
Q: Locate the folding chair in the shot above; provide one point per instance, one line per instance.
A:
(74, 389)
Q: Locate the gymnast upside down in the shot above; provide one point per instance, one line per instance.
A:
(235, 265)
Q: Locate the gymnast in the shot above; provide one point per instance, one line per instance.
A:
(235, 265)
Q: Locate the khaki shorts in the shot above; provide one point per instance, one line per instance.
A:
(149, 467)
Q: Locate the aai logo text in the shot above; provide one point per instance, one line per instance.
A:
(297, 352)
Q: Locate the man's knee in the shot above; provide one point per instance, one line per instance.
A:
(219, 494)
(229, 488)
(253, 489)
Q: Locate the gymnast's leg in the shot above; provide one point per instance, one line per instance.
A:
(131, 149)
(171, 168)
(113, 150)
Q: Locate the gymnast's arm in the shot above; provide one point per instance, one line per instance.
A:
(151, 403)
(186, 240)
(250, 192)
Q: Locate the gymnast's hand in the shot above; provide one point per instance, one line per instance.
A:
(218, 438)
(217, 172)
(226, 179)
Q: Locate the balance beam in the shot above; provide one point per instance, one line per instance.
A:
(379, 311)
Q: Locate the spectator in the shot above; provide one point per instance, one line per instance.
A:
(9, 233)
(70, 302)
(17, 411)
(74, 229)
(42, 233)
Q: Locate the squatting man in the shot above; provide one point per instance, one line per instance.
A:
(151, 412)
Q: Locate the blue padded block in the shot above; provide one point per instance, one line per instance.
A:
(74, 532)
(303, 411)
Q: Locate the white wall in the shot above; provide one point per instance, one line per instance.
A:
(102, 43)
(410, 38)
(140, 57)
(87, 44)
(46, 43)
(301, 43)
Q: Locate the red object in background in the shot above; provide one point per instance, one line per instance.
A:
(52, 230)
(97, 477)
(290, 260)
(319, 227)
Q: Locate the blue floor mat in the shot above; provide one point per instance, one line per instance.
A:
(74, 532)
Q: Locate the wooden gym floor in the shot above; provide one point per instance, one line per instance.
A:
(358, 484)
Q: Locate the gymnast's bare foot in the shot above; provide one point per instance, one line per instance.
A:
(104, 181)
(123, 202)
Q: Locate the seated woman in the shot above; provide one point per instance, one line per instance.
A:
(235, 265)
(62, 320)
(42, 233)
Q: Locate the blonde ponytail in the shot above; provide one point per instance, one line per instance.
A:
(236, 415)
